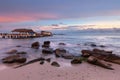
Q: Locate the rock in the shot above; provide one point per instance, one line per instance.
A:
(62, 44)
(41, 62)
(98, 62)
(47, 51)
(67, 56)
(21, 52)
(48, 60)
(14, 58)
(59, 52)
(18, 46)
(35, 45)
(30, 62)
(12, 51)
(55, 64)
(93, 45)
(46, 44)
(46, 33)
(21, 60)
(101, 51)
(86, 53)
(76, 61)
(41, 59)
(102, 46)
(102, 55)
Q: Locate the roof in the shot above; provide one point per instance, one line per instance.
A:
(22, 30)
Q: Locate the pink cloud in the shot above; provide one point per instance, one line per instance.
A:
(26, 17)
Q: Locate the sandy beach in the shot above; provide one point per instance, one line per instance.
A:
(66, 71)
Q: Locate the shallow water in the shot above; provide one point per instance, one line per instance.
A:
(75, 41)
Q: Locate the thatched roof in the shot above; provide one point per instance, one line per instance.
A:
(22, 30)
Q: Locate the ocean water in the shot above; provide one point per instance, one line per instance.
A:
(75, 42)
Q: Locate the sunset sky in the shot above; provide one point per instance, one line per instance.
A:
(59, 14)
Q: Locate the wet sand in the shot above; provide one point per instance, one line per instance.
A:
(66, 71)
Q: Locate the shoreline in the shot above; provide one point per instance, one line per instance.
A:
(82, 71)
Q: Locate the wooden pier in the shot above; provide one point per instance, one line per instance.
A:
(23, 34)
(18, 36)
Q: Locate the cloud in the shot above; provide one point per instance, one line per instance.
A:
(20, 17)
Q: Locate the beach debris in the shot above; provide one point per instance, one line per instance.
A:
(14, 59)
(46, 33)
(13, 51)
(46, 44)
(47, 51)
(95, 61)
(76, 61)
(55, 64)
(35, 45)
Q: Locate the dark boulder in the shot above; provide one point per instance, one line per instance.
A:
(102, 46)
(21, 52)
(47, 51)
(41, 59)
(18, 46)
(86, 53)
(21, 60)
(59, 52)
(76, 61)
(67, 56)
(14, 58)
(93, 45)
(46, 44)
(62, 44)
(55, 64)
(35, 45)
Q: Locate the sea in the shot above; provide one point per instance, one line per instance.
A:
(75, 40)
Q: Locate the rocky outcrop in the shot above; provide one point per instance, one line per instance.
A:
(102, 54)
(35, 45)
(95, 61)
(14, 59)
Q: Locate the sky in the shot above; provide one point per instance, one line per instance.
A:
(59, 14)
